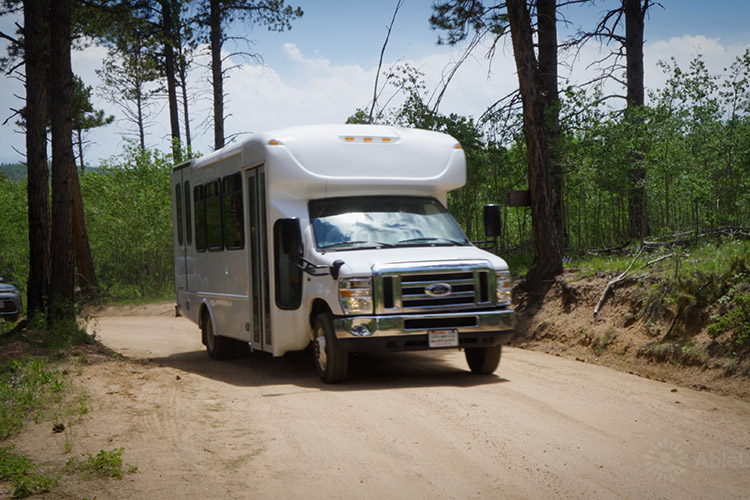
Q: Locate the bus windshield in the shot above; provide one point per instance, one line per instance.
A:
(382, 221)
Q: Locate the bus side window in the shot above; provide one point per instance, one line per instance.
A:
(288, 275)
(178, 222)
(214, 226)
(188, 216)
(234, 233)
(200, 218)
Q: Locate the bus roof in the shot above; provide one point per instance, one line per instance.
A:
(311, 161)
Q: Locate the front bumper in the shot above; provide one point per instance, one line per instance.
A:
(10, 305)
(410, 332)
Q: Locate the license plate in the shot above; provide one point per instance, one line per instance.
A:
(442, 338)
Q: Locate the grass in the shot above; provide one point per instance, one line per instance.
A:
(22, 475)
(591, 265)
(31, 389)
(40, 389)
(27, 388)
(601, 342)
(103, 464)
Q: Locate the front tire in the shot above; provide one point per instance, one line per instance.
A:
(483, 360)
(331, 362)
(218, 348)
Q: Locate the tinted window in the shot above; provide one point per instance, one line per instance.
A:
(234, 234)
(200, 218)
(214, 232)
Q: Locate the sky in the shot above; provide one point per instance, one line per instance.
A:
(324, 68)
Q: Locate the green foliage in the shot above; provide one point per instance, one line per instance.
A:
(26, 388)
(13, 171)
(129, 216)
(693, 140)
(104, 464)
(14, 239)
(712, 275)
(601, 342)
(62, 334)
(21, 472)
(736, 318)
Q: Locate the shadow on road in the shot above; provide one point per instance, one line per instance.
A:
(366, 371)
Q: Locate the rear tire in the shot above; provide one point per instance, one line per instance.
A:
(331, 362)
(483, 360)
(218, 348)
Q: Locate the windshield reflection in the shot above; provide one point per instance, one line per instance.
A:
(382, 221)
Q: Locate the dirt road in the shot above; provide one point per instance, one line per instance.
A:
(404, 426)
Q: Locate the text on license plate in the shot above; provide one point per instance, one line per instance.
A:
(442, 338)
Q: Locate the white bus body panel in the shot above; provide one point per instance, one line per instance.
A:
(302, 164)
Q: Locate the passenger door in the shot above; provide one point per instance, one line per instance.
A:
(183, 228)
(258, 255)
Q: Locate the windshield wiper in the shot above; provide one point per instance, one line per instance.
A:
(358, 244)
(431, 240)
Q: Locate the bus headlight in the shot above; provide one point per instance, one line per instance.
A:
(504, 288)
(355, 295)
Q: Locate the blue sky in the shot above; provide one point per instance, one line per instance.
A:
(324, 68)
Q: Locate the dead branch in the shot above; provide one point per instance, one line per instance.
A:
(380, 62)
(609, 250)
(652, 262)
(614, 281)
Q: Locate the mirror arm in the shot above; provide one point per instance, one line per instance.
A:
(311, 268)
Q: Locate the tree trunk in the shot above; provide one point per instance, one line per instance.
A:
(547, 29)
(183, 83)
(84, 260)
(634, 20)
(169, 70)
(79, 144)
(35, 27)
(141, 125)
(547, 257)
(217, 76)
(63, 165)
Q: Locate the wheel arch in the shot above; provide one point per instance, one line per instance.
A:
(203, 312)
(318, 306)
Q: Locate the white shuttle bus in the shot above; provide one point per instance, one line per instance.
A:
(336, 236)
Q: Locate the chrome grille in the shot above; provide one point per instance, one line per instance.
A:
(424, 290)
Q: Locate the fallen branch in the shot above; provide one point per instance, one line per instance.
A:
(608, 250)
(614, 281)
(652, 262)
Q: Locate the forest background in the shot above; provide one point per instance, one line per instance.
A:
(692, 137)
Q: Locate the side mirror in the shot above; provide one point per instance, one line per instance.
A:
(291, 237)
(492, 222)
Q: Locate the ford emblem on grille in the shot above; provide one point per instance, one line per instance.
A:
(438, 289)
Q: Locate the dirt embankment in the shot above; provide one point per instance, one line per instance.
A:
(623, 336)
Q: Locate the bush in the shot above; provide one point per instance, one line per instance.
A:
(129, 217)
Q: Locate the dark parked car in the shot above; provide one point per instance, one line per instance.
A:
(10, 302)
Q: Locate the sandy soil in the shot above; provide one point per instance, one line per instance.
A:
(412, 425)
(621, 337)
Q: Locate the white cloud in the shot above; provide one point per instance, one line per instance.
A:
(293, 52)
(304, 89)
(684, 49)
